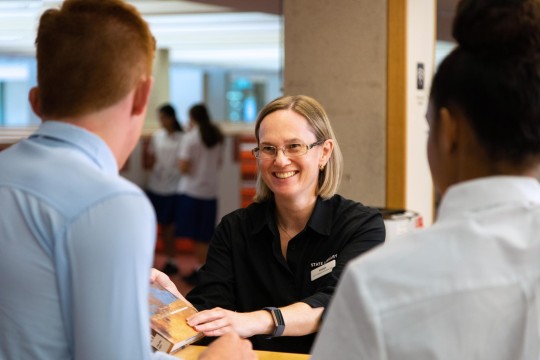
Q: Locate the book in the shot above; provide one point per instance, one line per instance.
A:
(168, 314)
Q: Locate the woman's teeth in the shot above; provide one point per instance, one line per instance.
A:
(285, 175)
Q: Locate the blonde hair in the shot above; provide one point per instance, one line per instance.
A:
(90, 54)
(313, 112)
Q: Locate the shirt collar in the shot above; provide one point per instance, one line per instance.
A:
(475, 195)
(83, 140)
(320, 220)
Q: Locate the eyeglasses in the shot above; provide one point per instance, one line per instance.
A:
(289, 150)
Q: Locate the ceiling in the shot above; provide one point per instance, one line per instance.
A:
(224, 33)
(242, 34)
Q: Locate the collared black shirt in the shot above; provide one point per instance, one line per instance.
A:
(246, 271)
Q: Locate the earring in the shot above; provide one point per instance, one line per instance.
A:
(321, 167)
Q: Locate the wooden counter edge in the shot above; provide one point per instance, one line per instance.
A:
(192, 352)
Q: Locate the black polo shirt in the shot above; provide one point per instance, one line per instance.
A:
(246, 271)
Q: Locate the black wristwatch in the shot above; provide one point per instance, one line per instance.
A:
(278, 321)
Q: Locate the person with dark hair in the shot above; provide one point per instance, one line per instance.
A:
(468, 286)
(76, 239)
(200, 159)
(272, 267)
(164, 178)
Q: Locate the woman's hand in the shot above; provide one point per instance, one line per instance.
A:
(218, 321)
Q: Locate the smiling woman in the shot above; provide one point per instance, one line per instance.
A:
(272, 267)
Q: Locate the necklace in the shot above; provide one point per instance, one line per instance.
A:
(285, 231)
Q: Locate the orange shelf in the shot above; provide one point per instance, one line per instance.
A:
(248, 168)
(182, 245)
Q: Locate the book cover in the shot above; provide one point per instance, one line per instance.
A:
(168, 314)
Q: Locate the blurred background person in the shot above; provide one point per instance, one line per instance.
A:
(164, 178)
(200, 158)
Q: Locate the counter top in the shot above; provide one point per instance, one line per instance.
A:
(192, 352)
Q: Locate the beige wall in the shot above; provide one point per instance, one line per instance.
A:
(335, 51)
(420, 50)
(160, 90)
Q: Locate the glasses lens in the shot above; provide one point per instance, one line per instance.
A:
(290, 150)
(268, 151)
(295, 149)
(265, 152)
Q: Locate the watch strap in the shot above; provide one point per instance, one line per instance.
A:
(279, 322)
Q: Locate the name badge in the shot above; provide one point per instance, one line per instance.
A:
(323, 270)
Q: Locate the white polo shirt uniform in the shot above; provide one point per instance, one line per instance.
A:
(468, 287)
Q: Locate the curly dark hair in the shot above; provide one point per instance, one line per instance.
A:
(493, 75)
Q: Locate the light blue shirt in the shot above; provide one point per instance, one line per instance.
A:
(76, 247)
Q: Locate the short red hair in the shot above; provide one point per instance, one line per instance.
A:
(90, 54)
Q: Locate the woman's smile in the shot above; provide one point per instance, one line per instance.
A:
(285, 175)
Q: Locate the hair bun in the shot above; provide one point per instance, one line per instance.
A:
(498, 27)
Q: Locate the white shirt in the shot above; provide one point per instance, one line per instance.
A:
(165, 175)
(202, 180)
(468, 287)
